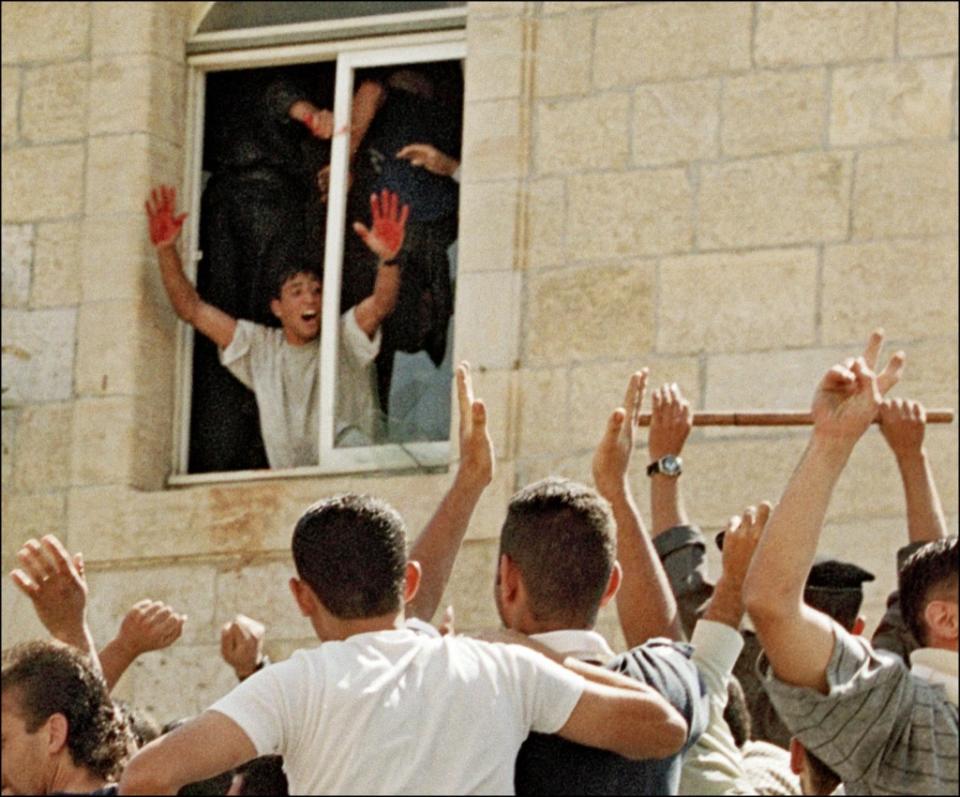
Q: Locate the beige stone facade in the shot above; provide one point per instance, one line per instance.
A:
(730, 193)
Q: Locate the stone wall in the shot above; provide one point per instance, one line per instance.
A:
(732, 194)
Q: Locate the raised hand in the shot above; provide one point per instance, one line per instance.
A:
(55, 583)
(165, 226)
(740, 538)
(430, 158)
(670, 422)
(476, 447)
(903, 423)
(241, 645)
(149, 625)
(611, 461)
(849, 395)
(319, 123)
(389, 219)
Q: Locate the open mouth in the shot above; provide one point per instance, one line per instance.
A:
(309, 315)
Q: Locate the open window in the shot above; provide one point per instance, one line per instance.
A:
(418, 79)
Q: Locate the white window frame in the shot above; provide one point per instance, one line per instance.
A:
(349, 55)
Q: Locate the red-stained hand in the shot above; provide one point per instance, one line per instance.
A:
(164, 225)
(319, 123)
(389, 220)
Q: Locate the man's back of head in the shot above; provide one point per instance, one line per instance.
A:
(560, 536)
(928, 584)
(350, 550)
(61, 730)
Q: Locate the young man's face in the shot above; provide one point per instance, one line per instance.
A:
(24, 753)
(298, 308)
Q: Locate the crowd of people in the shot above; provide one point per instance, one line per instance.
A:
(797, 702)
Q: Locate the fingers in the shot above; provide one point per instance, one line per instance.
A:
(872, 350)
(634, 396)
(25, 584)
(375, 213)
(404, 215)
(615, 422)
(62, 561)
(361, 230)
(34, 562)
(763, 515)
(890, 375)
(464, 391)
(479, 414)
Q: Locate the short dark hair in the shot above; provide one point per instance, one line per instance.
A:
(287, 272)
(264, 775)
(823, 779)
(559, 533)
(930, 567)
(350, 550)
(50, 678)
(143, 725)
(737, 713)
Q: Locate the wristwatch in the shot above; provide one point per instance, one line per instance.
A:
(668, 466)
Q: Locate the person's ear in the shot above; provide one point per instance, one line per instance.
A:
(613, 584)
(57, 729)
(275, 307)
(797, 756)
(940, 617)
(859, 625)
(304, 596)
(411, 582)
(509, 580)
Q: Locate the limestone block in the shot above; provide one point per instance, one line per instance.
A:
(32, 515)
(45, 31)
(488, 228)
(43, 447)
(11, 102)
(775, 200)
(724, 312)
(563, 55)
(931, 373)
(597, 389)
(906, 190)
(565, 6)
(107, 345)
(575, 466)
(156, 356)
(495, 7)
(139, 28)
(941, 444)
(146, 161)
(159, 677)
(42, 182)
(188, 588)
(927, 28)
(470, 590)
(674, 122)
(589, 313)
(17, 262)
(103, 449)
(56, 275)
(487, 309)
(878, 103)
(543, 412)
(492, 141)
(54, 104)
(488, 516)
(823, 33)
(496, 388)
(38, 355)
(135, 94)
(152, 444)
(773, 112)
(908, 286)
(20, 623)
(260, 591)
(7, 440)
(589, 133)
(494, 65)
(115, 257)
(632, 213)
(679, 41)
(545, 229)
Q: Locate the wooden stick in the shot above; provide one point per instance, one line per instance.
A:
(777, 418)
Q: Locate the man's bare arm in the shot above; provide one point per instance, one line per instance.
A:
(199, 749)
(797, 639)
(148, 625)
(645, 602)
(740, 539)
(385, 239)
(164, 230)
(670, 423)
(437, 546)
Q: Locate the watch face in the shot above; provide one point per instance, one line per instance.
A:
(670, 465)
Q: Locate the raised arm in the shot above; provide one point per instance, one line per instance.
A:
(739, 544)
(670, 423)
(56, 584)
(385, 240)
(797, 639)
(644, 602)
(903, 423)
(241, 645)
(148, 625)
(437, 546)
(164, 230)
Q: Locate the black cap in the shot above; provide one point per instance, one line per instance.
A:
(828, 573)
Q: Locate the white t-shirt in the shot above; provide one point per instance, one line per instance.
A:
(286, 381)
(391, 712)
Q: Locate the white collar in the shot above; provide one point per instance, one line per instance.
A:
(580, 643)
(936, 666)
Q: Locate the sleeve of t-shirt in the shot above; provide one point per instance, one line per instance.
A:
(238, 356)
(869, 697)
(258, 705)
(354, 341)
(549, 691)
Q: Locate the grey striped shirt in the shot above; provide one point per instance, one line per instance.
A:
(882, 729)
